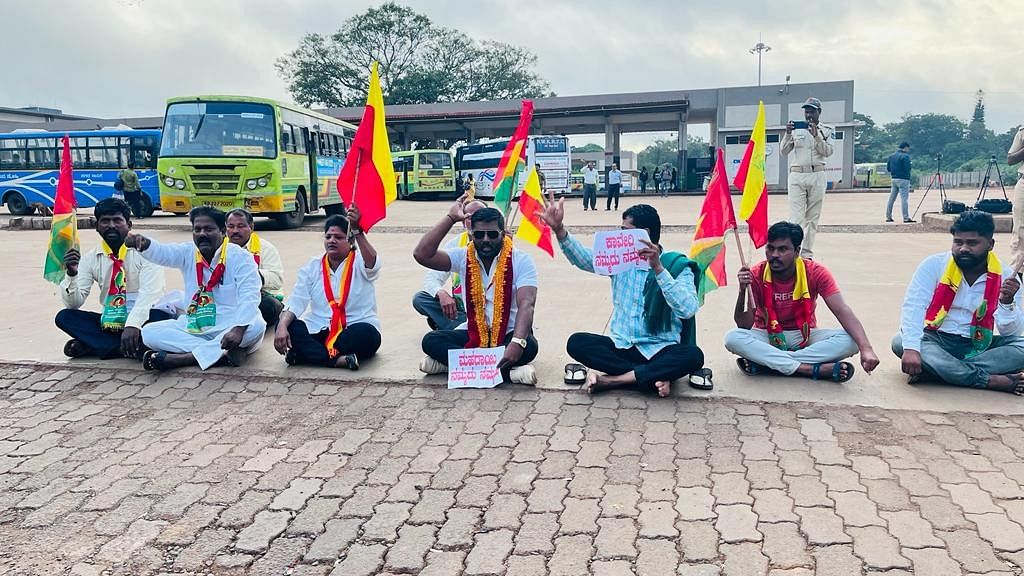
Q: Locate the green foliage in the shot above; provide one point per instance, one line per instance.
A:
(591, 147)
(665, 151)
(420, 62)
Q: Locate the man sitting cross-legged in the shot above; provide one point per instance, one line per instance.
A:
(222, 321)
(954, 305)
(780, 334)
(268, 260)
(500, 284)
(648, 306)
(129, 287)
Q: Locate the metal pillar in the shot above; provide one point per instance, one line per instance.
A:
(681, 154)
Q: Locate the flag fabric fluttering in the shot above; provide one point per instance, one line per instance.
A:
(533, 228)
(750, 178)
(367, 178)
(64, 226)
(715, 219)
(513, 159)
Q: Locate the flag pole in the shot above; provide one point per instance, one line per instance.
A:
(739, 247)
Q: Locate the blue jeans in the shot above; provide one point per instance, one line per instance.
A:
(900, 187)
(942, 356)
(428, 306)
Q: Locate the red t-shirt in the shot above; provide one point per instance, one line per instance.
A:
(819, 283)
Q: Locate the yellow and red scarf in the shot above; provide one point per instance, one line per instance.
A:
(801, 299)
(115, 305)
(338, 319)
(254, 247)
(456, 277)
(983, 319)
(482, 335)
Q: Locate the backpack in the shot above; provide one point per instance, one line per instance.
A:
(994, 205)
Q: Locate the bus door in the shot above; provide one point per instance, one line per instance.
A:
(312, 195)
(403, 169)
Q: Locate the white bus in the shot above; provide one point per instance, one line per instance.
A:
(550, 152)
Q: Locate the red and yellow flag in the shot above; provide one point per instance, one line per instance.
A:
(513, 159)
(533, 228)
(751, 180)
(368, 178)
(64, 226)
(716, 218)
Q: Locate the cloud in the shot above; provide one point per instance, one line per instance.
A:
(113, 58)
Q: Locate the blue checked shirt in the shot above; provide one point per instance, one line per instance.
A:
(628, 327)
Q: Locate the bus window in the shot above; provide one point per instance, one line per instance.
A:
(299, 138)
(286, 138)
(42, 159)
(435, 161)
(12, 154)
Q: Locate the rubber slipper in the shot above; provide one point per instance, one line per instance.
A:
(702, 379)
(751, 368)
(837, 375)
(575, 374)
(75, 349)
(154, 360)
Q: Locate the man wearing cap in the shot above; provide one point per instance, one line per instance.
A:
(1016, 156)
(808, 150)
(898, 166)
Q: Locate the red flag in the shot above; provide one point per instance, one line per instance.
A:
(64, 226)
(513, 159)
(715, 219)
(757, 223)
(368, 178)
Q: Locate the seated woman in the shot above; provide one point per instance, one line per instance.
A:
(335, 297)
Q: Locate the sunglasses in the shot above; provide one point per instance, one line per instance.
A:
(489, 234)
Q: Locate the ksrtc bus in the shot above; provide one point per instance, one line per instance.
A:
(30, 166)
(424, 173)
(481, 160)
(271, 158)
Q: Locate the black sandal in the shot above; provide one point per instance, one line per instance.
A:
(74, 348)
(575, 374)
(702, 379)
(154, 360)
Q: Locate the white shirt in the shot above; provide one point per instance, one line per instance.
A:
(523, 274)
(237, 296)
(1008, 321)
(589, 175)
(615, 177)
(807, 150)
(271, 267)
(309, 294)
(435, 280)
(144, 283)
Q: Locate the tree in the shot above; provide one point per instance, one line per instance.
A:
(591, 147)
(872, 143)
(420, 62)
(928, 134)
(666, 151)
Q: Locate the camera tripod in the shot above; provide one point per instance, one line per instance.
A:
(936, 178)
(992, 165)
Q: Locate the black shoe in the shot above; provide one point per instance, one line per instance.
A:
(909, 221)
(351, 362)
(291, 358)
(888, 219)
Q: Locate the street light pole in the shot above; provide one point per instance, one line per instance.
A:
(759, 48)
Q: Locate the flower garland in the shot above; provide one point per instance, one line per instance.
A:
(480, 334)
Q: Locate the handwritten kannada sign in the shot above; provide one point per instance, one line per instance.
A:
(474, 367)
(618, 251)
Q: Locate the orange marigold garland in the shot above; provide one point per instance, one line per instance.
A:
(482, 335)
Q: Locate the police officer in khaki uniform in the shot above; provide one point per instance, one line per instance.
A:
(1014, 156)
(808, 150)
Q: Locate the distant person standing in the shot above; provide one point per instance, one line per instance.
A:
(469, 187)
(644, 175)
(666, 179)
(1016, 156)
(898, 166)
(808, 150)
(675, 179)
(614, 187)
(132, 190)
(589, 187)
(540, 176)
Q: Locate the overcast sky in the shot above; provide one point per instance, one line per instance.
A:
(116, 58)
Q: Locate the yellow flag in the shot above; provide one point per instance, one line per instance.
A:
(754, 182)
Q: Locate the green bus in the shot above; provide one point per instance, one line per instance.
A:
(424, 172)
(271, 158)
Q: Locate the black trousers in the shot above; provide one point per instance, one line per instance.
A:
(361, 339)
(270, 308)
(84, 326)
(134, 200)
(590, 196)
(599, 353)
(613, 192)
(436, 344)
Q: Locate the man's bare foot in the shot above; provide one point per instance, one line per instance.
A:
(664, 388)
(1012, 383)
(590, 383)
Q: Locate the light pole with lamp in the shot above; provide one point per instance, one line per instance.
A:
(759, 48)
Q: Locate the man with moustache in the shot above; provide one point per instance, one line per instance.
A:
(808, 150)
(777, 331)
(500, 289)
(129, 288)
(240, 232)
(955, 304)
(222, 321)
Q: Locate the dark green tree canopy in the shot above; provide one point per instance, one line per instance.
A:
(420, 62)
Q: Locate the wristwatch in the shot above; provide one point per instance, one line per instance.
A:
(520, 341)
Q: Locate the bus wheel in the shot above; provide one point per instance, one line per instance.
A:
(294, 218)
(147, 206)
(16, 204)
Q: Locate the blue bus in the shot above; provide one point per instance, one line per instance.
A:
(30, 166)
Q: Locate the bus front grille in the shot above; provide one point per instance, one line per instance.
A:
(215, 183)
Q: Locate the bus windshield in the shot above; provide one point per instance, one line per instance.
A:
(216, 129)
(435, 161)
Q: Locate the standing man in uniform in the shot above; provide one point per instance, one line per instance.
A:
(614, 187)
(589, 187)
(1016, 156)
(898, 166)
(808, 150)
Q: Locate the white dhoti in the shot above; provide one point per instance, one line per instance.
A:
(172, 336)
